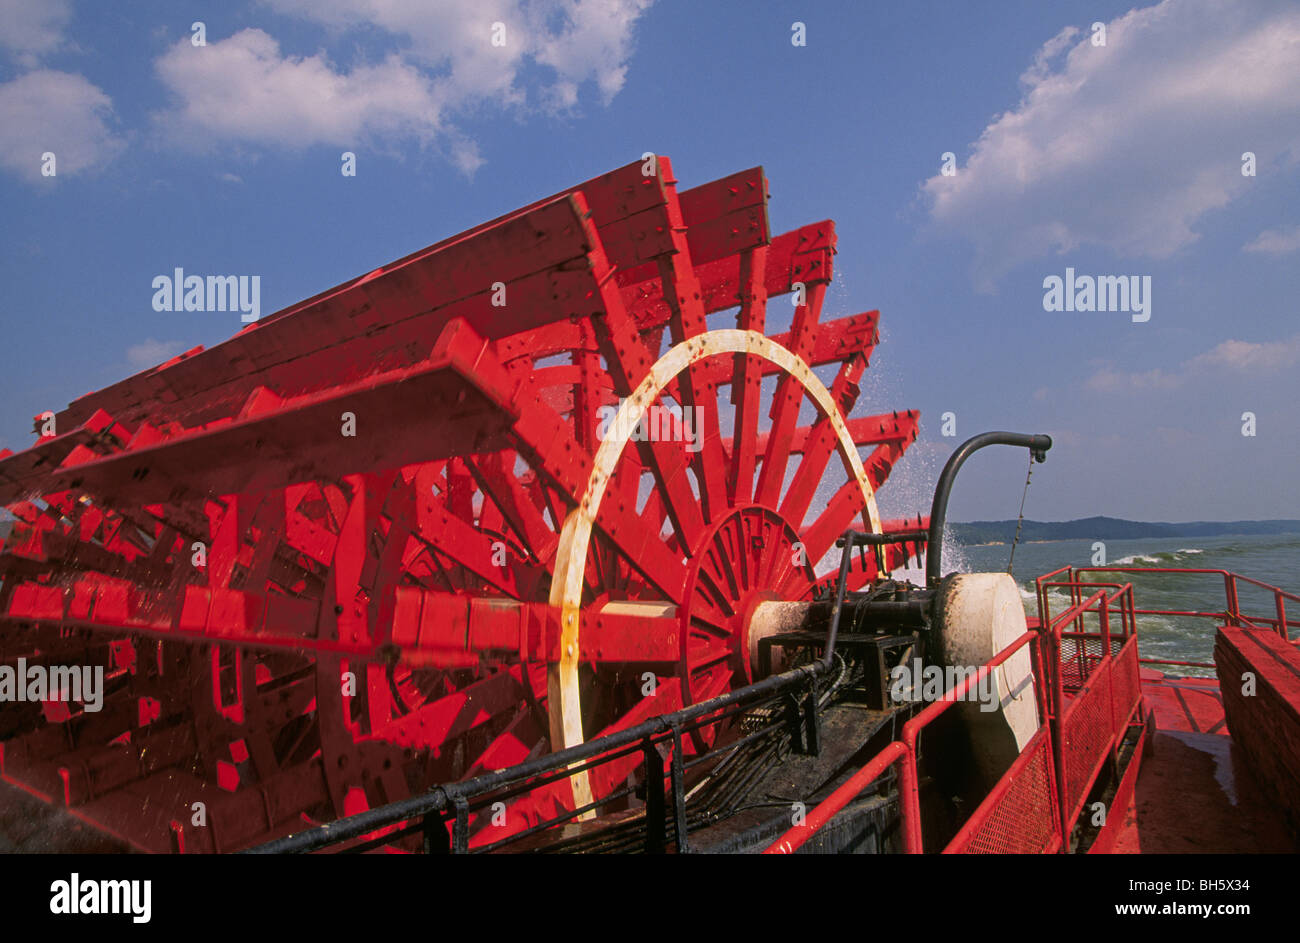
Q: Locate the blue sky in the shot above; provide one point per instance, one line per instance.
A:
(1122, 159)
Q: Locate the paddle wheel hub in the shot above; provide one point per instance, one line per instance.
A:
(744, 561)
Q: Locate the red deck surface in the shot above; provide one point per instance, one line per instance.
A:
(1194, 792)
(1184, 705)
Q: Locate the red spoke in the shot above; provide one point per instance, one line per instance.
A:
(747, 375)
(435, 723)
(630, 362)
(687, 320)
(494, 474)
(820, 443)
(786, 402)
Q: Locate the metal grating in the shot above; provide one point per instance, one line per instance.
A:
(1079, 659)
(1088, 732)
(1023, 819)
(1125, 686)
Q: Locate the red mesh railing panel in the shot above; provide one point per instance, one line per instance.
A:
(1079, 658)
(1087, 732)
(1071, 665)
(1125, 686)
(1020, 815)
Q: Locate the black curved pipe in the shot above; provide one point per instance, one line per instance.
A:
(1037, 444)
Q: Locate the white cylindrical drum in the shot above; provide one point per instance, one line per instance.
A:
(977, 615)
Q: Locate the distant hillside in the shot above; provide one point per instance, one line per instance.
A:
(1112, 528)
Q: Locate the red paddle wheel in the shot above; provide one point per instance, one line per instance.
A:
(481, 503)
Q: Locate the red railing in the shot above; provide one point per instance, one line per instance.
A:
(1095, 695)
(1089, 696)
(1035, 804)
(1231, 614)
(1022, 814)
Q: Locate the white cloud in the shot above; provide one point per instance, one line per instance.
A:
(30, 29)
(1041, 67)
(1128, 145)
(465, 155)
(150, 353)
(1244, 357)
(1279, 241)
(244, 89)
(579, 40)
(45, 110)
(57, 112)
(595, 43)
(1109, 380)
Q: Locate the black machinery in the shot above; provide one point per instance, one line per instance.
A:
(787, 740)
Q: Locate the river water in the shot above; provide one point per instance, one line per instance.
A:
(1273, 559)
